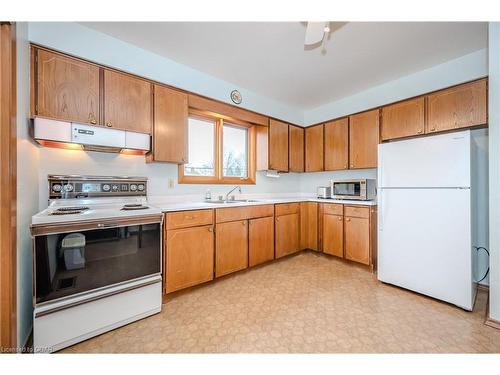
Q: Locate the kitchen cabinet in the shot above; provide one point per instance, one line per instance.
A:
(337, 144)
(65, 88)
(287, 226)
(296, 148)
(403, 119)
(278, 146)
(189, 257)
(127, 102)
(309, 225)
(359, 234)
(333, 235)
(170, 128)
(457, 107)
(231, 247)
(260, 240)
(363, 139)
(314, 148)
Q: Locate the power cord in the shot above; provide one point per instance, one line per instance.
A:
(478, 248)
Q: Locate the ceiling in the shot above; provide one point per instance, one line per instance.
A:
(269, 58)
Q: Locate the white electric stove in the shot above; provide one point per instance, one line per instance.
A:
(97, 258)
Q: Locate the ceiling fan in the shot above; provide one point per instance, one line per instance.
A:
(315, 32)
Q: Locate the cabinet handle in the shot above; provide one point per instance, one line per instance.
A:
(340, 218)
(352, 165)
(347, 219)
(432, 129)
(210, 229)
(345, 166)
(277, 219)
(109, 125)
(92, 119)
(419, 132)
(189, 217)
(244, 223)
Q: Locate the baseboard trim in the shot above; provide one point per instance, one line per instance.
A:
(492, 323)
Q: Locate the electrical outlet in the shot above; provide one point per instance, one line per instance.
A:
(170, 183)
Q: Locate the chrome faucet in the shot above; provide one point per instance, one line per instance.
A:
(233, 189)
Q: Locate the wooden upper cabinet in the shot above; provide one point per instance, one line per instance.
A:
(337, 144)
(66, 89)
(278, 145)
(457, 107)
(127, 102)
(363, 139)
(170, 128)
(314, 148)
(296, 148)
(404, 119)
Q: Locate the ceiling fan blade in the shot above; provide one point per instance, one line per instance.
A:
(315, 32)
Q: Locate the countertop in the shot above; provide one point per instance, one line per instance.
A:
(201, 205)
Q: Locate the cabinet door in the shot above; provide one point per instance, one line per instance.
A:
(458, 107)
(337, 144)
(314, 148)
(66, 89)
(170, 126)
(278, 145)
(357, 239)
(333, 235)
(363, 139)
(127, 102)
(189, 258)
(296, 152)
(231, 249)
(261, 240)
(309, 225)
(404, 119)
(287, 234)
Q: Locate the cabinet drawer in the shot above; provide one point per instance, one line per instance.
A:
(357, 211)
(333, 209)
(241, 213)
(183, 219)
(287, 209)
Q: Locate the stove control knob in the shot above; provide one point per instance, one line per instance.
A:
(68, 187)
(56, 188)
(106, 187)
(115, 188)
(140, 187)
(133, 187)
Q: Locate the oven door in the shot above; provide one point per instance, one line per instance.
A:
(78, 258)
(349, 189)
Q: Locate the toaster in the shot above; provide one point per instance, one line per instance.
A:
(324, 192)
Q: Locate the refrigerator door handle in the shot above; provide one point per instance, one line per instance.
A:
(382, 210)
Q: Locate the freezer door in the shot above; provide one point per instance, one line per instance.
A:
(435, 161)
(424, 242)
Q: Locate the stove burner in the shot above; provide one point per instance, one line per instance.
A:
(134, 206)
(76, 208)
(69, 210)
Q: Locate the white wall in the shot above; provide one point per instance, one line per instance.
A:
(494, 167)
(78, 40)
(27, 188)
(462, 69)
(58, 161)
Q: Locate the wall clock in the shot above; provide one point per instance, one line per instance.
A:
(236, 97)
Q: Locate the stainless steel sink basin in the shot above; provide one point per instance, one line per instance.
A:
(232, 201)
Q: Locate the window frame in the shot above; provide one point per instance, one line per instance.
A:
(219, 178)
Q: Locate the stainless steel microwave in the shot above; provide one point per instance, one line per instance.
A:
(360, 189)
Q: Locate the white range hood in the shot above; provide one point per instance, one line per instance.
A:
(54, 133)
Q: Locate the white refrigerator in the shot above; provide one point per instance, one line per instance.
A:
(426, 204)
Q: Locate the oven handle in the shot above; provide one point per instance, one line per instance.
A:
(107, 225)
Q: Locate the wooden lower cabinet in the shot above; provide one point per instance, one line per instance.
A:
(189, 257)
(333, 235)
(309, 225)
(357, 239)
(260, 240)
(231, 247)
(287, 234)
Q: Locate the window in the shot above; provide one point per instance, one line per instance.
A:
(220, 151)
